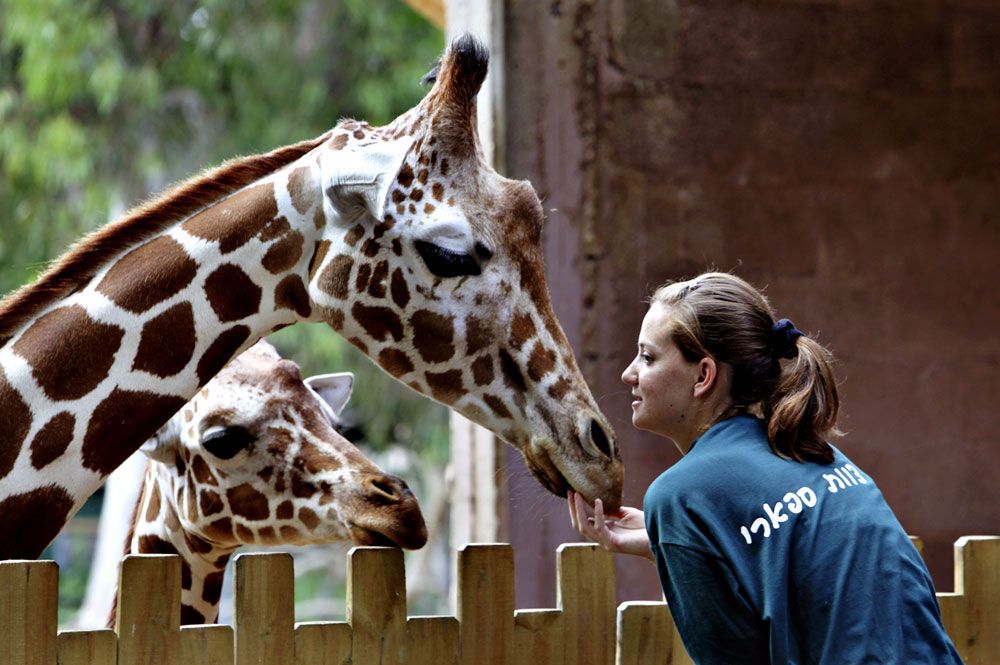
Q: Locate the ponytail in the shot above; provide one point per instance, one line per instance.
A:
(801, 411)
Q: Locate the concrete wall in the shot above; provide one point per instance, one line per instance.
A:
(846, 155)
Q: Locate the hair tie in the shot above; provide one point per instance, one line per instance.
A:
(783, 337)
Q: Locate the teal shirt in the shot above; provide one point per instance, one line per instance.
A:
(766, 560)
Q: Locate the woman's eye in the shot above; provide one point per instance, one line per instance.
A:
(227, 442)
(646, 358)
(446, 263)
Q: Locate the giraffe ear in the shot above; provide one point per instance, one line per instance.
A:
(162, 446)
(356, 179)
(333, 391)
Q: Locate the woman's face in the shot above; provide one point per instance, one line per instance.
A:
(662, 382)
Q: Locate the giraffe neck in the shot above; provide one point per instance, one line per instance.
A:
(158, 529)
(94, 374)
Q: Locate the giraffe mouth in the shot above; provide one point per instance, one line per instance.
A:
(409, 540)
(547, 473)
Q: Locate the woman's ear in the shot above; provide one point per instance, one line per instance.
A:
(708, 377)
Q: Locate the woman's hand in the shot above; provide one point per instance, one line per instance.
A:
(624, 532)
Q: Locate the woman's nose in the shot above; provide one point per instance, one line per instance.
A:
(628, 376)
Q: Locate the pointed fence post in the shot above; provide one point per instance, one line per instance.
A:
(88, 647)
(486, 604)
(376, 605)
(587, 600)
(264, 616)
(149, 609)
(29, 601)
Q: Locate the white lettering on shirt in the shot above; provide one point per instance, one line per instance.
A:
(842, 478)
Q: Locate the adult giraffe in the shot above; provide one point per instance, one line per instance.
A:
(400, 237)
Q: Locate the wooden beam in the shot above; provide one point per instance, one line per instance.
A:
(432, 10)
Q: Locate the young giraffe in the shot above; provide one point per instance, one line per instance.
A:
(401, 238)
(254, 458)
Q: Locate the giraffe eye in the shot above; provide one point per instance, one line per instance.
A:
(227, 442)
(445, 262)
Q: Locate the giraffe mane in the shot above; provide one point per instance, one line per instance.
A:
(79, 265)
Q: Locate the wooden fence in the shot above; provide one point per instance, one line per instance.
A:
(586, 629)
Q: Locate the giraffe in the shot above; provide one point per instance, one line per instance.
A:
(401, 238)
(254, 458)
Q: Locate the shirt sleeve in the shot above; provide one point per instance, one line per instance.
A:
(714, 621)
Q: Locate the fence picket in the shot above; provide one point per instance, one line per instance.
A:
(29, 592)
(587, 598)
(971, 613)
(644, 635)
(376, 605)
(538, 637)
(264, 617)
(486, 604)
(149, 609)
(206, 645)
(87, 647)
(322, 643)
(432, 641)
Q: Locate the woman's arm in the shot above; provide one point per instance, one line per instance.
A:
(623, 532)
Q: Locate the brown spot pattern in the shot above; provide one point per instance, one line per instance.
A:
(168, 342)
(512, 372)
(247, 502)
(231, 292)
(447, 386)
(433, 335)
(398, 289)
(221, 530)
(482, 370)
(364, 274)
(291, 293)
(276, 228)
(191, 617)
(437, 191)
(220, 351)
(405, 177)
(17, 422)
(302, 189)
(522, 328)
(210, 502)
(497, 406)
(284, 254)
(114, 432)
(338, 142)
(237, 219)
(560, 388)
(417, 194)
(370, 248)
(153, 507)
(376, 288)
(354, 235)
(395, 361)
(308, 518)
(378, 322)
(319, 253)
(211, 589)
(336, 276)
(161, 267)
(29, 521)
(477, 335)
(202, 472)
(54, 345)
(52, 440)
(541, 362)
(285, 510)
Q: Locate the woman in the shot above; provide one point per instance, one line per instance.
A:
(771, 546)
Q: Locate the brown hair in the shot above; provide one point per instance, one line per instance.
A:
(724, 317)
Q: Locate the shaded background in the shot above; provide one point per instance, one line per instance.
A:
(844, 155)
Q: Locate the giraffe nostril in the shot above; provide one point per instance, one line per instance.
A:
(383, 488)
(600, 438)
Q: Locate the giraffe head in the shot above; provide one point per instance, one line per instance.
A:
(431, 263)
(254, 458)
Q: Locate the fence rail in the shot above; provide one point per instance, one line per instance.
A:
(585, 629)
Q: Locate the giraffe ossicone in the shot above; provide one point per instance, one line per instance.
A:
(254, 459)
(402, 238)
